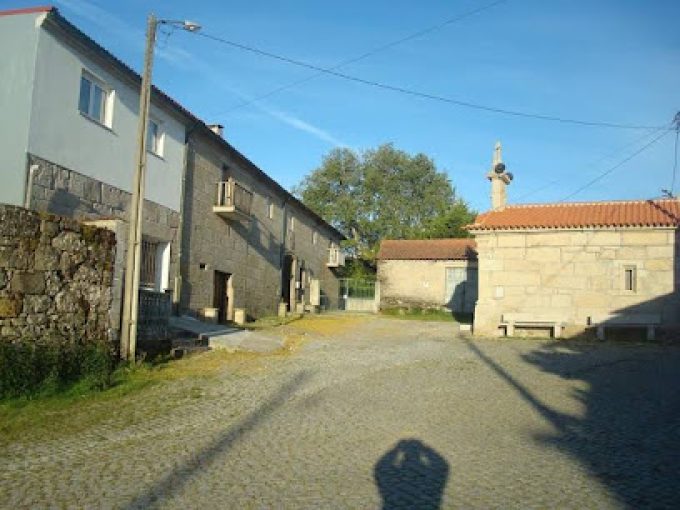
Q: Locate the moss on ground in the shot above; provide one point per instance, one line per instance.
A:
(421, 314)
(143, 388)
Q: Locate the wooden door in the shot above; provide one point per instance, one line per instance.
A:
(221, 296)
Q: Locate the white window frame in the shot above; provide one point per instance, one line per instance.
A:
(291, 225)
(315, 237)
(270, 208)
(155, 145)
(105, 114)
(632, 270)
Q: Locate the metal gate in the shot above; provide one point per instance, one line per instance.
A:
(461, 289)
(357, 295)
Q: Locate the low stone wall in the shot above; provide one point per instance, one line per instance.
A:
(55, 278)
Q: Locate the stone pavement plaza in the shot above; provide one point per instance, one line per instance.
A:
(371, 413)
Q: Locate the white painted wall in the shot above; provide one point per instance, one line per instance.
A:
(60, 133)
(19, 42)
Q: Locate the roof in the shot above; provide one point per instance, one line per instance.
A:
(428, 249)
(194, 125)
(27, 10)
(613, 214)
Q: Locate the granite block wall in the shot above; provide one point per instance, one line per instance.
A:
(55, 278)
(577, 274)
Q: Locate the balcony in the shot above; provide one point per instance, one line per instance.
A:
(233, 200)
(336, 258)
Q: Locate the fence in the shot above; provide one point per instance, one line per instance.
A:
(358, 295)
(154, 315)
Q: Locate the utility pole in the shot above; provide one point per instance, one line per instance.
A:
(676, 122)
(128, 342)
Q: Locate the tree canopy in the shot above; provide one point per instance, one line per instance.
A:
(384, 193)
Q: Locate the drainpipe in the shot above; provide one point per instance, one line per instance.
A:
(177, 288)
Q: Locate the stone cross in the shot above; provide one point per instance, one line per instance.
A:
(497, 158)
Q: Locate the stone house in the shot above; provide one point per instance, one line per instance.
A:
(576, 261)
(248, 242)
(428, 273)
(69, 124)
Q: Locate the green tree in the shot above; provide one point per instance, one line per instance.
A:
(451, 223)
(383, 193)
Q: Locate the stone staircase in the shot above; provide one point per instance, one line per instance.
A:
(196, 336)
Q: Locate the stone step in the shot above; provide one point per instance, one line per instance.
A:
(184, 341)
(187, 350)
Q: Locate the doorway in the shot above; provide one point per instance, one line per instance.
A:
(222, 296)
(461, 289)
(286, 275)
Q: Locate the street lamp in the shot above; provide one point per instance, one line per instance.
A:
(131, 290)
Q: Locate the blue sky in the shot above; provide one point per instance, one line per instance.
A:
(602, 60)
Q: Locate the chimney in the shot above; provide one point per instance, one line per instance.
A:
(499, 180)
(218, 129)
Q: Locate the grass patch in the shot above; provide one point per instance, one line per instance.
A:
(271, 322)
(328, 325)
(423, 314)
(135, 393)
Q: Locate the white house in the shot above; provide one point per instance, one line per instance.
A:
(68, 144)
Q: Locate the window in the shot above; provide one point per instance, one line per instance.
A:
(315, 237)
(630, 278)
(269, 208)
(292, 224)
(147, 274)
(154, 138)
(93, 100)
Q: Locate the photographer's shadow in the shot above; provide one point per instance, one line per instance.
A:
(411, 475)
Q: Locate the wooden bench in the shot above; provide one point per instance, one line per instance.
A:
(649, 321)
(530, 320)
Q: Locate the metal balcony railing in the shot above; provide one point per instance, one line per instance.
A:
(232, 199)
(336, 257)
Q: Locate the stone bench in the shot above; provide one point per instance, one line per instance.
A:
(529, 320)
(649, 321)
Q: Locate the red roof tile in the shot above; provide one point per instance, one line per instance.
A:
(633, 213)
(28, 10)
(428, 249)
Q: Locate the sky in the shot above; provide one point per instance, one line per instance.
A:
(612, 61)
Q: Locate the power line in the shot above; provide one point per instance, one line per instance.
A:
(372, 52)
(594, 163)
(415, 93)
(619, 164)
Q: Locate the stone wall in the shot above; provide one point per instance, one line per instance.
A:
(419, 283)
(55, 278)
(576, 275)
(315, 256)
(65, 192)
(250, 250)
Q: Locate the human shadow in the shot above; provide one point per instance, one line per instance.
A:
(411, 475)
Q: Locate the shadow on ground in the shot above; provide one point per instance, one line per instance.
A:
(173, 483)
(628, 436)
(411, 475)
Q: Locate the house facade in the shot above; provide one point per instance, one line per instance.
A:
(248, 243)
(576, 261)
(70, 116)
(69, 124)
(428, 273)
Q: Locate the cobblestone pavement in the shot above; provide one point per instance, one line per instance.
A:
(387, 412)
